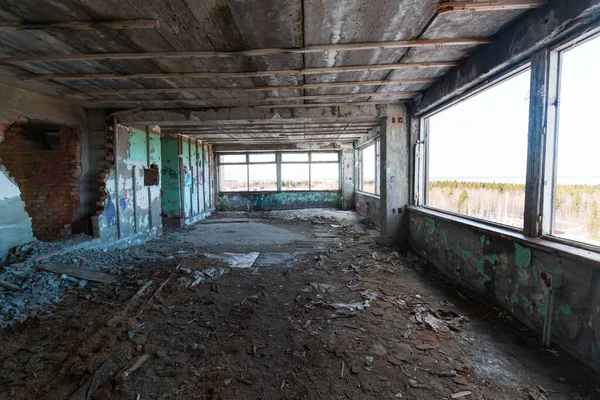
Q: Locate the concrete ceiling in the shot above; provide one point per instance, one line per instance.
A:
(233, 25)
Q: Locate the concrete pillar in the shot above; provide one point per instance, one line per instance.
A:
(347, 161)
(395, 169)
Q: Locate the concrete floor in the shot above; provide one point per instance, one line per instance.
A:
(322, 298)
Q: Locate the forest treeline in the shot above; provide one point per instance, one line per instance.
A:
(577, 206)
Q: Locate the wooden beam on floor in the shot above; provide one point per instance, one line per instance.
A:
(79, 25)
(252, 53)
(327, 85)
(495, 5)
(252, 74)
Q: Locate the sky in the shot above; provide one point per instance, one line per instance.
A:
(485, 137)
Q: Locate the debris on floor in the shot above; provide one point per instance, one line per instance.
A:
(338, 317)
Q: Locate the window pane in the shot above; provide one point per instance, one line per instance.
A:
(263, 177)
(368, 169)
(234, 178)
(294, 177)
(577, 212)
(232, 158)
(325, 176)
(262, 158)
(324, 157)
(294, 157)
(478, 154)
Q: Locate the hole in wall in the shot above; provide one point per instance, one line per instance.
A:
(45, 162)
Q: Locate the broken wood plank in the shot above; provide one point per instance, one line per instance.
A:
(249, 74)
(79, 25)
(79, 273)
(461, 394)
(494, 5)
(97, 380)
(250, 88)
(9, 286)
(254, 52)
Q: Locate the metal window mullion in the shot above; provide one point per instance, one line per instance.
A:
(377, 166)
(425, 163)
(310, 171)
(550, 177)
(278, 162)
(248, 171)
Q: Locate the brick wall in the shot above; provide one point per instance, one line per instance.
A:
(48, 179)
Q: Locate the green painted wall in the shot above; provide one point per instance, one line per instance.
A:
(138, 146)
(266, 201)
(169, 184)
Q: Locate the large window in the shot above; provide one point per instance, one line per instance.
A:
(576, 189)
(297, 171)
(477, 154)
(369, 159)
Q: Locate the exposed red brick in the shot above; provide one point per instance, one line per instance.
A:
(48, 179)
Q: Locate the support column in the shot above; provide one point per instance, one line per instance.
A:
(394, 172)
(347, 177)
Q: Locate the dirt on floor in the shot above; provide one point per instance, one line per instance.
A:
(323, 313)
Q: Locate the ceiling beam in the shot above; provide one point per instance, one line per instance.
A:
(343, 96)
(494, 5)
(252, 88)
(252, 74)
(232, 124)
(277, 131)
(79, 25)
(335, 132)
(252, 53)
(246, 100)
(357, 103)
(279, 140)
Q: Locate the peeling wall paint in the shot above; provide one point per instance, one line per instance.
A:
(509, 273)
(369, 207)
(131, 208)
(169, 184)
(267, 201)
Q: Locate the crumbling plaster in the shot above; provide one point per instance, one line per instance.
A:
(509, 273)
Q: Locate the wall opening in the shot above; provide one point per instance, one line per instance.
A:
(45, 162)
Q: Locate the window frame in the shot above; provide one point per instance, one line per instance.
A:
(421, 198)
(278, 161)
(376, 142)
(546, 137)
(551, 144)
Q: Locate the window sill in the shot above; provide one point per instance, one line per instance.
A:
(542, 244)
(376, 196)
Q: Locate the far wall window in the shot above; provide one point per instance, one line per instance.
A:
(477, 154)
(317, 171)
(369, 160)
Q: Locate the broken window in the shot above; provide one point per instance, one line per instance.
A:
(575, 186)
(477, 153)
(369, 168)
